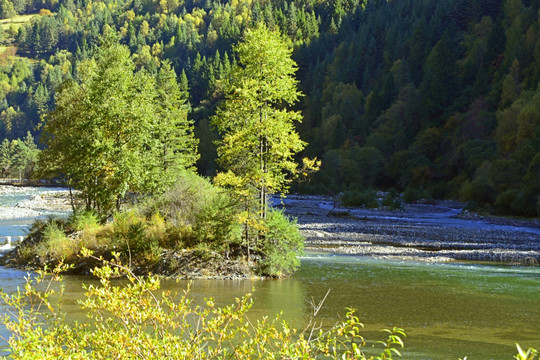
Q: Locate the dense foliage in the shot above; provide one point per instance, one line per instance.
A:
(117, 130)
(439, 97)
(18, 157)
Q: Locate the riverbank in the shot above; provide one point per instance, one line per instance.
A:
(26, 202)
(438, 232)
(435, 232)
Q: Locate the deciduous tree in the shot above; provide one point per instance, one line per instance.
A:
(113, 133)
(259, 140)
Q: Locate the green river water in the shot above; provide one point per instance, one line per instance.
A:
(448, 311)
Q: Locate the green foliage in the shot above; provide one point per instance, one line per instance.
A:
(18, 157)
(282, 244)
(198, 212)
(364, 198)
(392, 199)
(129, 235)
(436, 94)
(175, 143)
(56, 245)
(134, 321)
(49, 243)
(84, 220)
(58, 240)
(108, 137)
(259, 140)
(411, 195)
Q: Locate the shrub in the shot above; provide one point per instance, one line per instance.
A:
(56, 246)
(198, 211)
(130, 235)
(84, 220)
(477, 191)
(516, 202)
(503, 203)
(282, 245)
(45, 12)
(130, 322)
(392, 200)
(411, 195)
(366, 198)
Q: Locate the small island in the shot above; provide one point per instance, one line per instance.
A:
(130, 160)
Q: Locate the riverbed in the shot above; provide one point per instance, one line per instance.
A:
(438, 232)
(449, 307)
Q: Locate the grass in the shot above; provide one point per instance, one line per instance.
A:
(8, 54)
(16, 21)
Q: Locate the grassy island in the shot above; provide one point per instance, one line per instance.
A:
(191, 231)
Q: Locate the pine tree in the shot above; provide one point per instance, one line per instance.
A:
(175, 145)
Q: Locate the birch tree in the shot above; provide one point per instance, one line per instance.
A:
(259, 140)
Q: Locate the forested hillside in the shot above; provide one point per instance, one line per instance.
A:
(437, 98)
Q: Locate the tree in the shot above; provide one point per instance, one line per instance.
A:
(104, 134)
(259, 138)
(6, 9)
(21, 157)
(176, 145)
(5, 156)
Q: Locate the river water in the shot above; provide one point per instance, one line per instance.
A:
(449, 311)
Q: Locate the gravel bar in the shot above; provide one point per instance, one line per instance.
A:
(440, 231)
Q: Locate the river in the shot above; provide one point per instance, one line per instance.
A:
(449, 310)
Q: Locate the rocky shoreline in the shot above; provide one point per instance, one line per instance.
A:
(438, 232)
(49, 200)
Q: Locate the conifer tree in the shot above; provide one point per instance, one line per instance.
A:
(175, 144)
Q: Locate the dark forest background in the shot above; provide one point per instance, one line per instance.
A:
(433, 98)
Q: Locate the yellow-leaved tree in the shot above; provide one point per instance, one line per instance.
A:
(259, 140)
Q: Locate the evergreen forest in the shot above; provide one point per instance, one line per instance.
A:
(432, 98)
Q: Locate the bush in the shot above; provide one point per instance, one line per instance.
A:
(411, 195)
(503, 203)
(477, 191)
(56, 246)
(366, 198)
(130, 322)
(131, 237)
(282, 245)
(516, 202)
(198, 211)
(392, 200)
(48, 241)
(84, 220)
(45, 12)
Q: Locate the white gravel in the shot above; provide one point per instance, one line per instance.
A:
(48, 200)
(16, 213)
(426, 232)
